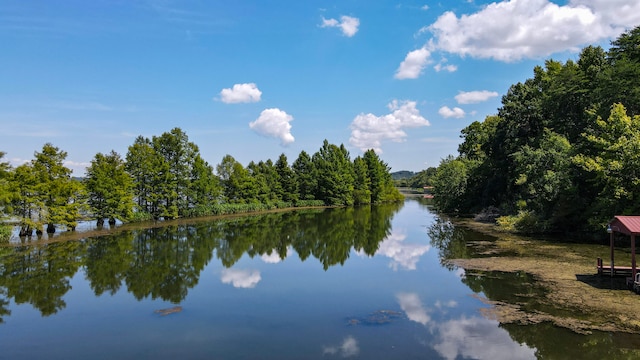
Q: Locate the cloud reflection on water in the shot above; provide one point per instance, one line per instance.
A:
(241, 278)
(272, 258)
(412, 306)
(467, 337)
(478, 338)
(348, 348)
(402, 254)
(446, 304)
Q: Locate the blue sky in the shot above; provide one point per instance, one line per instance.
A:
(254, 79)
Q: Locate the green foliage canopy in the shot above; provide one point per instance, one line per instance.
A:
(562, 152)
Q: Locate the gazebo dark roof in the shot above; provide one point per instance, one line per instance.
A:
(628, 225)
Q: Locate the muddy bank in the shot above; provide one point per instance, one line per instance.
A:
(580, 299)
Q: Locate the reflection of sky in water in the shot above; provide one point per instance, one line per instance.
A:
(446, 304)
(478, 338)
(272, 258)
(471, 337)
(241, 278)
(348, 348)
(299, 311)
(412, 306)
(402, 254)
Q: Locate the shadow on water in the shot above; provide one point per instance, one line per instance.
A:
(552, 342)
(603, 282)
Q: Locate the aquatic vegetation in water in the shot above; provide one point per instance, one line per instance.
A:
(169, 311)
(378, 317)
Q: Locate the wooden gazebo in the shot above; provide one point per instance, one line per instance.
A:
(627, 225)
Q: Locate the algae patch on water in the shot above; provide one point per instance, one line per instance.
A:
(529, 281)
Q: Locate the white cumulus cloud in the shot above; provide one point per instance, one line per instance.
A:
(413, 64)
(447, 112)
(347, 24)
(442, 67)
(474, 97)
(274, 123)
(241, 93)
(241, 278)
(511, 30)
(532, 28)
(368, 131)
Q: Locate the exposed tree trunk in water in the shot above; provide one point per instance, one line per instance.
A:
(25, 231)
(112, 221)
(51, 228)
(73, 228)
(100, 223)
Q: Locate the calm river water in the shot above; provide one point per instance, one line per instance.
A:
(356, 283)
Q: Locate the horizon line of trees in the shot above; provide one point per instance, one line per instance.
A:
(165, 177)
(562, 153)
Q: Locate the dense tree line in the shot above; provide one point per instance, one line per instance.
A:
(417, 180)
(563, 151)
(165, 177)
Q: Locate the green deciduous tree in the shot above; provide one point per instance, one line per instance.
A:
(287, 178)
(334, 174)
(545, 178)
(238, 185)
(362, 182)
(170, 176)
(450, 185)
(204, 186)
(26, 203)
(618, 82)
(149, 172)
(518, 161)
(613, 165)
(58, 193)
(109, 188)
(305, 175)
(422, 178)
(179, 155)
(5, 197)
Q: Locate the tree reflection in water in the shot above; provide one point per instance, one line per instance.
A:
(166, 262)
(450, 240)
(39, 275)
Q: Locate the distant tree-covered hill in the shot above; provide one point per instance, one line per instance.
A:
(403, 174)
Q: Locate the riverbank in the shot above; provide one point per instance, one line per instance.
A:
(89, 229)
(581, 300)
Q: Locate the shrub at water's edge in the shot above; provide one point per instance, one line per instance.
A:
(5, 232)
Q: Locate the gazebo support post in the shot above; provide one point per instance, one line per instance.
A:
(633, 256)
(611, 248)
